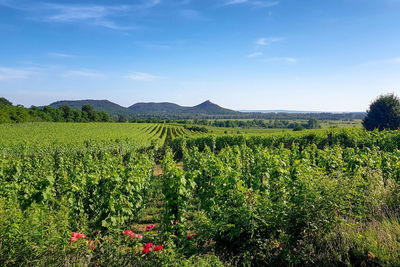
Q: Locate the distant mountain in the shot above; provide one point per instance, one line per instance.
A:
(164, 108)
(206, 107)
(99, 105)
(205, 110)
(152, 107)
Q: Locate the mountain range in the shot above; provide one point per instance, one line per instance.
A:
(206, 108)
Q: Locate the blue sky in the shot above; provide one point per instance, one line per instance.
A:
(323, 55)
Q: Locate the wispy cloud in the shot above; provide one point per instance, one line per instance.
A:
(82, 73)
(256, 54)
(282, 59)
(99, 15)
(141, 76)
(151, 3)
(254, 3)
(14, 73)
(59, 55)
(268, 41)
(235, 2)
(264, 3)
(90, 14)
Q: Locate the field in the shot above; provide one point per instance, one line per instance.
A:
(109, 194)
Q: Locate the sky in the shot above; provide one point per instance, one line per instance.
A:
(316, 55)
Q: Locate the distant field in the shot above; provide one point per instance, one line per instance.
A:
(76, 134)
(134, 134)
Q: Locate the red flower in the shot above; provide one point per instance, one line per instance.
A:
(78, 235)
(73, 239)
(93, 247)
(75, 235)
(189, 237)
(82, 236)
(145, 250)
(149, 227)
(148, 245)
(157, 248)
(128, 232)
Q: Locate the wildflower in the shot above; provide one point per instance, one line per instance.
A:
(82, 236)
(145, 250)
(93, 247)
(149, 227)
(189, 237)
(148, 245)
(73, 239)
(128, 232)
(157, 248)
(35, 246)
(138, 236)
(78, 235)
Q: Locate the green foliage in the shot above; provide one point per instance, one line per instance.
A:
(383, 113)
(325, 198)
(4, 102)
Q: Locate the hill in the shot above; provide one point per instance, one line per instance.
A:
(99, 105)
(152, 107)
(205, 110)
(206, 107)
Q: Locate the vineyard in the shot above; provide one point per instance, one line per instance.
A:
(108, 194)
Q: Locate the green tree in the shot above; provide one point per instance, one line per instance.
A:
(383, 113)
(312, 124)
(67, 112)
(4, 102)
(88, 112)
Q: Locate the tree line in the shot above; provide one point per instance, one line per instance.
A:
(17, 114)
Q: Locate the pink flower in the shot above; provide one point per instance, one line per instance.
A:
(149, 227)
(148, 245)
(157, 248)
(189, 237)
(137, 236)
(145, 250)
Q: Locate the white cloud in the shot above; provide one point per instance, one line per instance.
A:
(268, 41)
(264, 3)
(256, 54)
(98, 15)
(151, 3)
(59, 55)
(91, 14)
(282, 59)
(255, 3)
(82, 73)
(14, 73)
(141, 76)
(235, 2)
